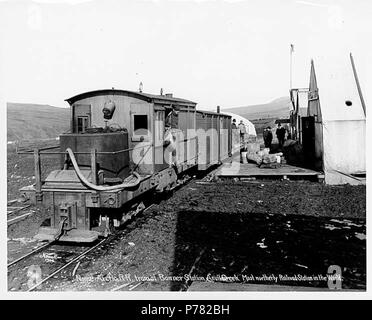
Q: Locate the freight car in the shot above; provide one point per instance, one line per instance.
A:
(121, 145)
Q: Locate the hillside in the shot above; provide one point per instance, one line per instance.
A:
(278, 108)
(35, 121)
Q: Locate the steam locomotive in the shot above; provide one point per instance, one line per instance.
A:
(121, 145)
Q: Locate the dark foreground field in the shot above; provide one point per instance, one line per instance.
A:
(244, 230)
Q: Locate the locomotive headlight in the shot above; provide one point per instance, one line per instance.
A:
(111, 201)
(108, 109)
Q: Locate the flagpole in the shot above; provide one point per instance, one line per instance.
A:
(290, 66)
(290, 78)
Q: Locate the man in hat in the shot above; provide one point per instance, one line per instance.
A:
(280, 134)
(268, 137)
(233, 125)
(171, 118)
(242, 130)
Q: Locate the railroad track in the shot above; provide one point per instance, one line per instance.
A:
(49, 255)
(46, 261)
(56, 257)
(16, 211)
(67, 264)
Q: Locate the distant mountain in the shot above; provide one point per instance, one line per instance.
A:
(278, 108)
(34, 121)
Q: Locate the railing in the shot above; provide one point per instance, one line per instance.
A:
(37, 152)
(80, 152)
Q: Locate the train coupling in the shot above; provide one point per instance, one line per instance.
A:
(65, 229)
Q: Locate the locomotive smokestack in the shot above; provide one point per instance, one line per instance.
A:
(218, 109)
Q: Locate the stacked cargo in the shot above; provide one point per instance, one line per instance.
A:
(262, 157)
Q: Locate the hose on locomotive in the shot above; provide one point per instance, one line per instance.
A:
(100, 188)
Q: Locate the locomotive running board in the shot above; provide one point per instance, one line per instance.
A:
(49, 234)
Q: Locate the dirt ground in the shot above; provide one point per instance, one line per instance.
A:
(21, 168)
(242, 230)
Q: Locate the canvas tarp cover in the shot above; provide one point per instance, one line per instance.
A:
(344, 150)
(344, 126)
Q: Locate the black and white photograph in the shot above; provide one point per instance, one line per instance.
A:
(207, 147)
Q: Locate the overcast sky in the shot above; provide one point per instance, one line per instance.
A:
(228, 53)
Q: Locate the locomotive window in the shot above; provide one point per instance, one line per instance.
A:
(82, 124)
(140, 122)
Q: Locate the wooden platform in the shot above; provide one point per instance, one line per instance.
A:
(250, 171)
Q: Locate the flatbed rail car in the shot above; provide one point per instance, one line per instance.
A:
(122, 144)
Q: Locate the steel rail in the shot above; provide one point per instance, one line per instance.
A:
(30, 253)
(67, 264)
(19, 218)
(16, 209)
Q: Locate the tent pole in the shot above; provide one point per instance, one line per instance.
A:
(358, 84)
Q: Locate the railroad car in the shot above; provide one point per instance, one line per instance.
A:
(121, 145)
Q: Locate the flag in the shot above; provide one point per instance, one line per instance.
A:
(292, 48)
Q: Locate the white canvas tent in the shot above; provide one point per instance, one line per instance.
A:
(249, 126)
(337, 105)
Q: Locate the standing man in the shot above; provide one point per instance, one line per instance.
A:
(171, 119)
(242, 131)
(234, 126)
(280, 133)
(268, 137)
